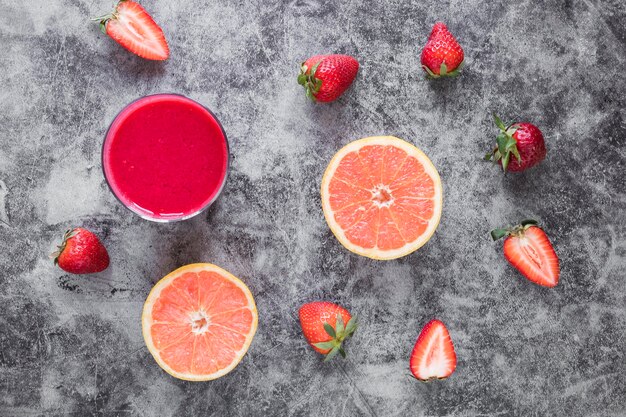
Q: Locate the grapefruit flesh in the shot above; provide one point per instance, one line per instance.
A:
(382, 197)
(198, 322)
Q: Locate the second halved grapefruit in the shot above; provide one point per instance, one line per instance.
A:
(382, 197)
(198, 322)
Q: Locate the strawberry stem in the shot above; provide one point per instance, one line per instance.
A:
(506, 144)
(513, 230)
(338, 334)
(104, 19)
(443, 71)
(329, 329)
(69, 233)
(528, 222)
(429, 73)
(311, 84)
(498, 122)
(499, 233)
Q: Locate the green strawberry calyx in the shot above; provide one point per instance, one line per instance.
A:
(308, 80)
(443, 71)
(104, 19)
(338, 335)
(69, 233)
(517, 230)
(506, 144)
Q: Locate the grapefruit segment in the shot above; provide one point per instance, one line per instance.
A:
(237, 320)
(346, 194)
(198, 322)
(382, 197)
(166, 312)
(178, 354)
(371, 158)
(350, 215)
(393, 160)
(350, 169)
(409, 222)
(166, 334)
(209, 284)
(187, 287)
(364, 231)
(389, 236)
(205, 364)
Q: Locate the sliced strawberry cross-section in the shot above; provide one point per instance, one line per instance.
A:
(131, 26)
(433, 356)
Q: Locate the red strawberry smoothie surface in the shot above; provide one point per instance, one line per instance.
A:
(165, 157)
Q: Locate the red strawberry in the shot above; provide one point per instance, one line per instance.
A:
(442, 56)
(523, 140)
(323, 327)
(433, 356)
(81, 253)
(326, 77)
(133, 28)
(529, 250)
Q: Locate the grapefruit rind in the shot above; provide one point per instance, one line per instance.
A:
(146, 320)
(411, 150)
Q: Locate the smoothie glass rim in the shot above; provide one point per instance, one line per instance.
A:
(146, 216)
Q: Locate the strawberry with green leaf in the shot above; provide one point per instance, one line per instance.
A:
(81, 252)
(326, 77)
(519, 146)
(528, 249)
(442, 55)
(326, 326)
(131, 26)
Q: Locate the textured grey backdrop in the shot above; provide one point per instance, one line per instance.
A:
(72, 345)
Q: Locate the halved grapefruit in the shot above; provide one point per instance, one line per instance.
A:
(382, 197)
(198, 322)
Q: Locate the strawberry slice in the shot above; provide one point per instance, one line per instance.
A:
(133, 28)
(433, 356)
(529, 250)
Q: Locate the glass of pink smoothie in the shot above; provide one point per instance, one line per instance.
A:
(165, 157)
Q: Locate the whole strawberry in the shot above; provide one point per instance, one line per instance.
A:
(529, 250)
(325, 326)
(442, 56)
(326, 77)
(522, 140)
(81, 252)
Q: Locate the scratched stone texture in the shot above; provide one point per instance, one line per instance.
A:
(72, 345)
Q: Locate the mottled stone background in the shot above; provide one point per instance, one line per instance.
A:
(72, 345)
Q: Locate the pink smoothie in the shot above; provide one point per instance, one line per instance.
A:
(165, 157)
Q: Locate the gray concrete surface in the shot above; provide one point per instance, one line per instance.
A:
(72, 345)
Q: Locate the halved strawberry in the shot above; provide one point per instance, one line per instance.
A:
(433, 356)
(133, 28)
(529, 250)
